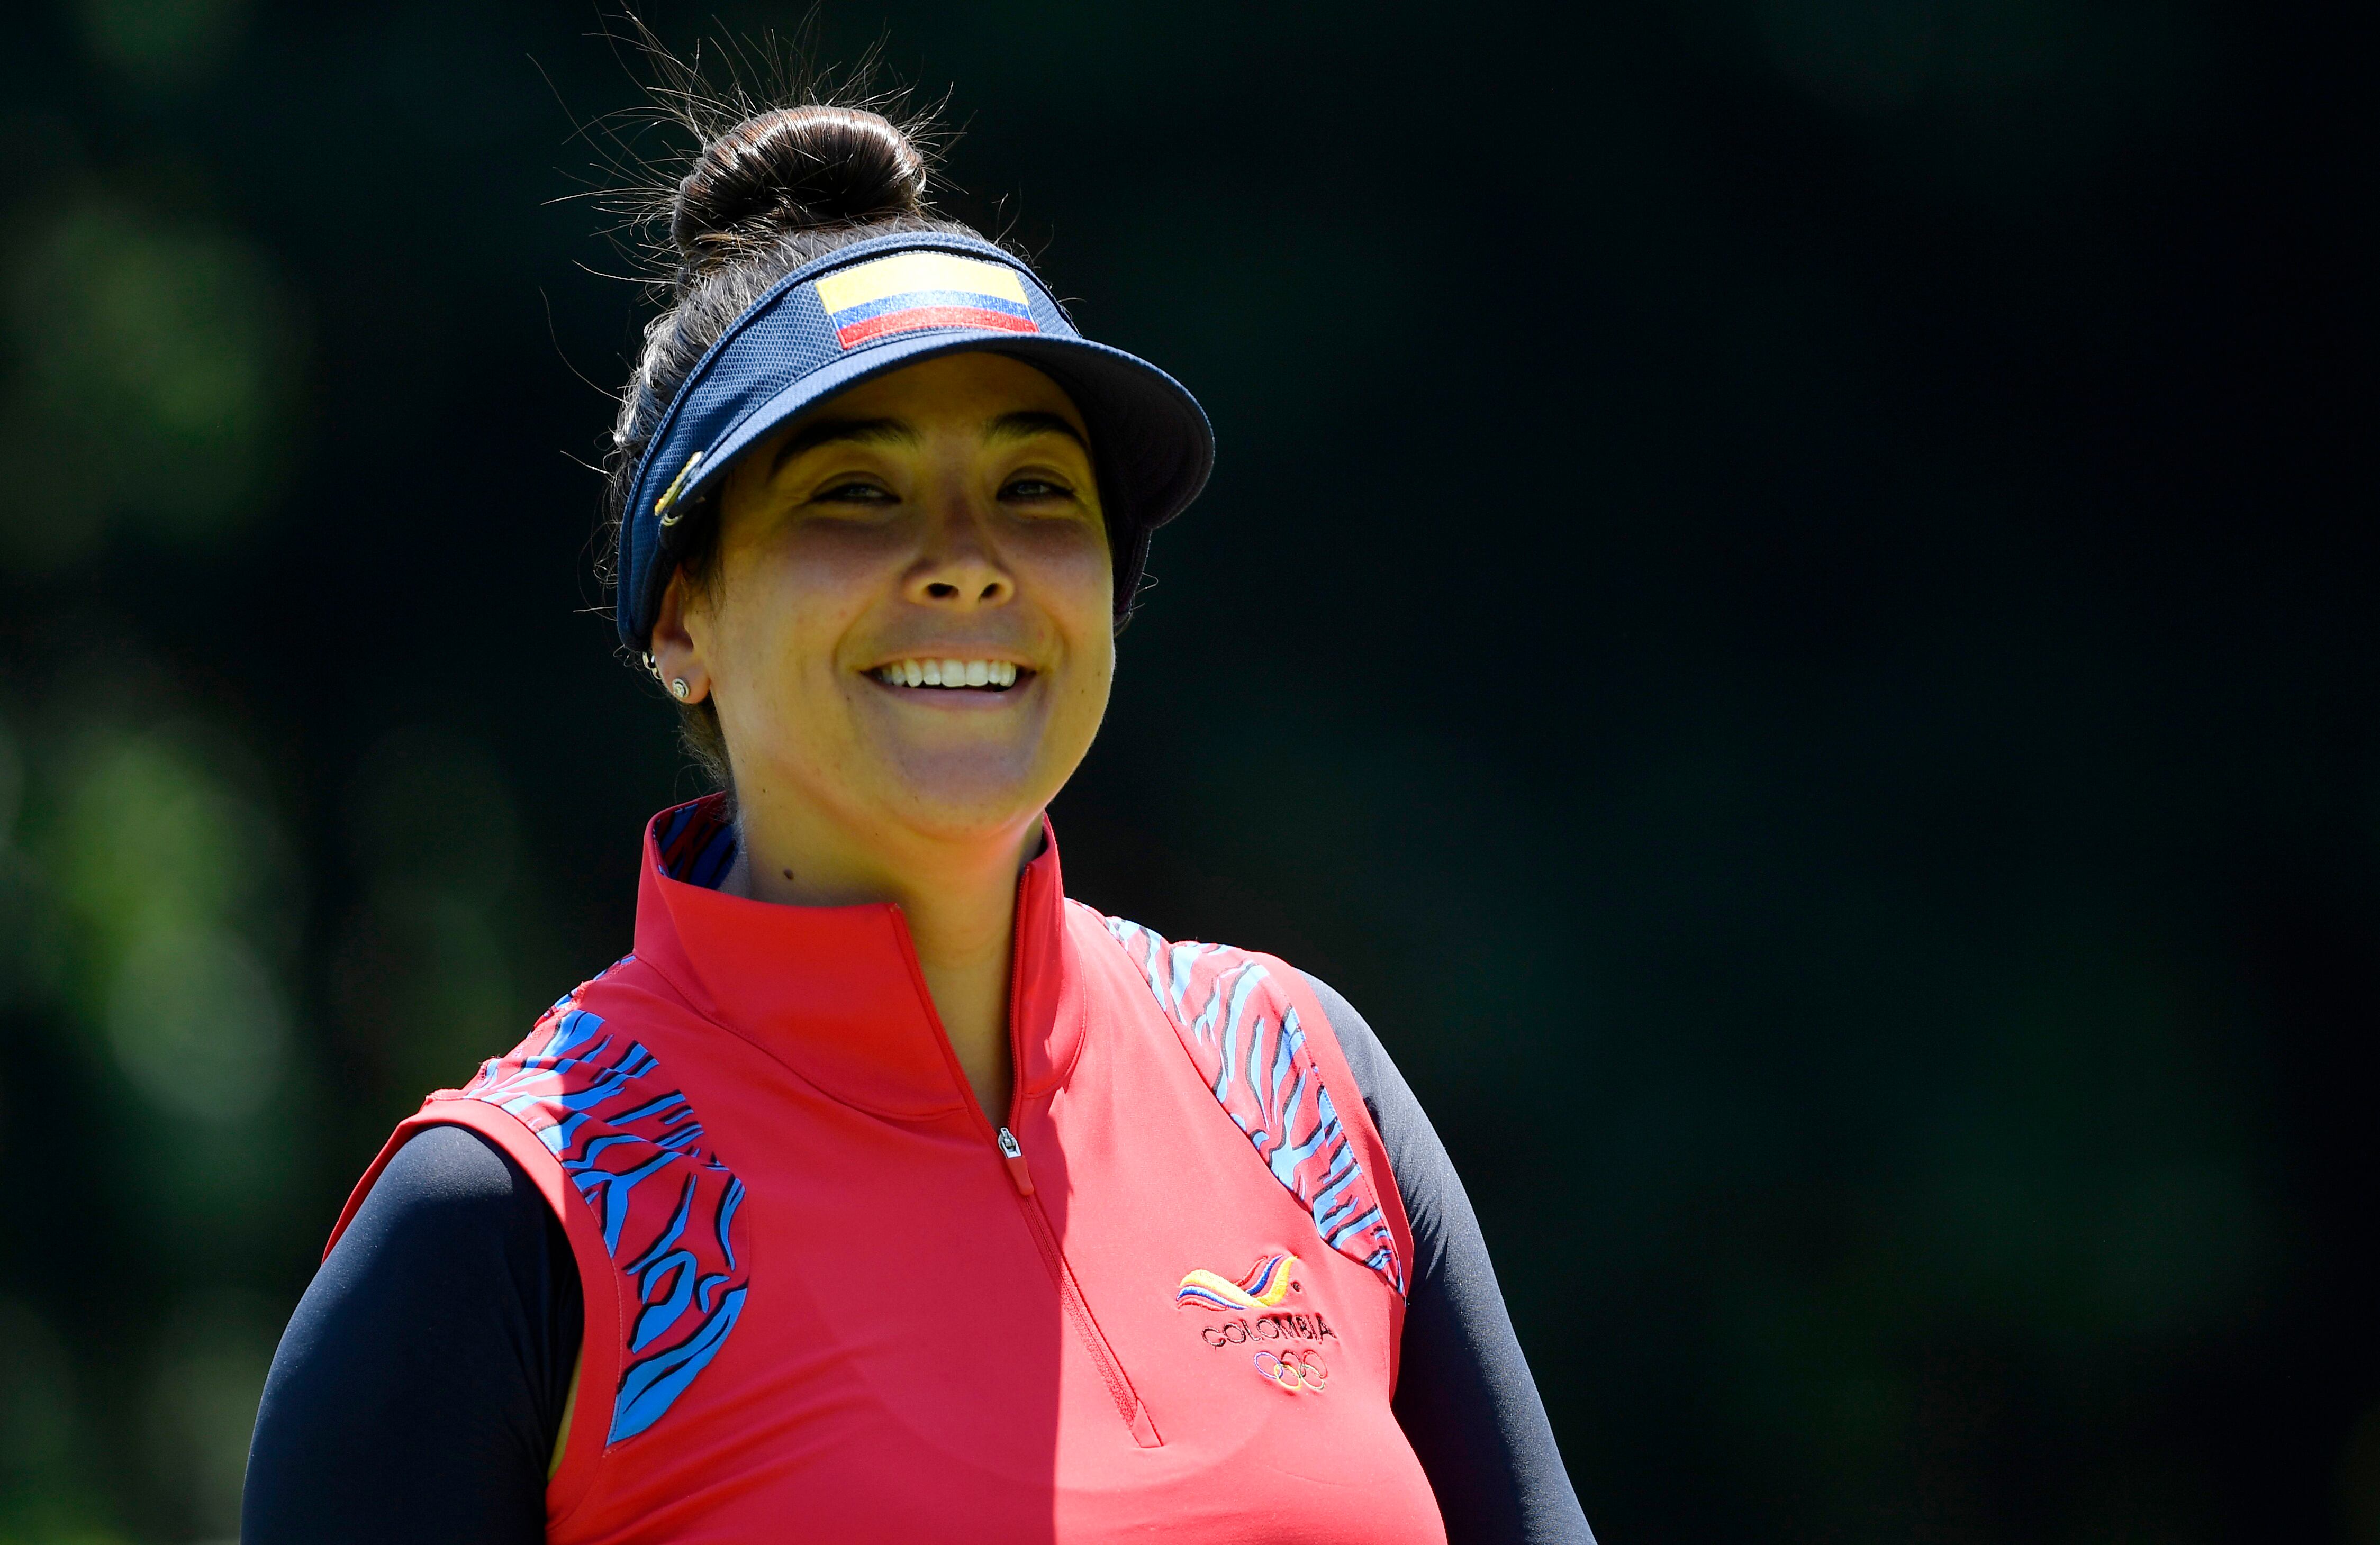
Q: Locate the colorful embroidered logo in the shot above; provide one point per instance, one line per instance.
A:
(911, 291)
(1264, 1287)
(1267, 1285)
(1299, 1372)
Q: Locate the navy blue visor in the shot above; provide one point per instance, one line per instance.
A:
(876, 305)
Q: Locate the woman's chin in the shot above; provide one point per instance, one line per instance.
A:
(961, 798)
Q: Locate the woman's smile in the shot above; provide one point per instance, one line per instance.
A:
(942, 673)
(941, 684)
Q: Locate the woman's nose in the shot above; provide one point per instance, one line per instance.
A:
(959, 566)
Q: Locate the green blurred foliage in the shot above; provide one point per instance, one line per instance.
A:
(162, 43)
(200, 1403)
(147, 840)
(431, 972)
(149, 380)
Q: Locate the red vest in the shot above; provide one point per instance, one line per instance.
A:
(827, 1298)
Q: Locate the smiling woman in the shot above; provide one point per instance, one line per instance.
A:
(883, 1192)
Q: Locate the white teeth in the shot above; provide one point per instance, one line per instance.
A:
(947, 674)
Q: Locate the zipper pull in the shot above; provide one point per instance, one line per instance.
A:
(1015, 1157)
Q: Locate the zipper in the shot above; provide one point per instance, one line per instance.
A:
(1018, 1170)
(1127, 1400)
(1020, 1175)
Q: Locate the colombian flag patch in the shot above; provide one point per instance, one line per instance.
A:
(910, 291)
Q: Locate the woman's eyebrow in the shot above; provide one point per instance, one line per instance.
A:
(1024, 426)
(828, 431)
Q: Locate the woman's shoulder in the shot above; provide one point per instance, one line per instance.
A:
(588, 1086)
(599, 1034)
(1194, 974)
(618, 1147)
(1207, 982)
(447, 1181)
(1265, 1041)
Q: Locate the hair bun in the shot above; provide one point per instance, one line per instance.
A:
(794, 169)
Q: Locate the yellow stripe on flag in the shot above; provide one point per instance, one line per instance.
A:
(905, 271)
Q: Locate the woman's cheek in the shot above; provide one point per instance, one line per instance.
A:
(1089, 706)
(820, 599)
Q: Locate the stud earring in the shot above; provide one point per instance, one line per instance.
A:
(679, 690)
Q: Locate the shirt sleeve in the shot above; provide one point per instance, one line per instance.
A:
(1464, 1395)
(419, 1389)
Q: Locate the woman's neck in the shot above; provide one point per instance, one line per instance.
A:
(959, 899)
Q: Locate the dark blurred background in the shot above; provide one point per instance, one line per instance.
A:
(1788, 605)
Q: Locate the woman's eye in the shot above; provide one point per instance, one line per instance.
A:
(854, 494)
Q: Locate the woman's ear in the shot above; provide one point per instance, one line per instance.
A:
(676, 657)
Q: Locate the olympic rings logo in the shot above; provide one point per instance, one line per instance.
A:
(1294, 1371)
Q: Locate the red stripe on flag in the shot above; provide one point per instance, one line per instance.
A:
(932, 316)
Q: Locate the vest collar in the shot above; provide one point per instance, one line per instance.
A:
(835, 993)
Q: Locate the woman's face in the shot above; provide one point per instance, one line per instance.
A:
(944, 513)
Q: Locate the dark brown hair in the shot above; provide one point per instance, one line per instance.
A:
(769, 191)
